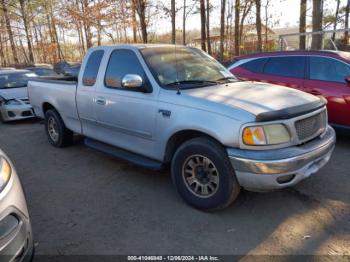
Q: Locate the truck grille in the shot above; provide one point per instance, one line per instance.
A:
(312, 126)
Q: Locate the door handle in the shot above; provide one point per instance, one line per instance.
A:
(101, 101)
(315, 92)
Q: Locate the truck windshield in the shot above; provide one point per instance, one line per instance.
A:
(185, 67)
(15, 80)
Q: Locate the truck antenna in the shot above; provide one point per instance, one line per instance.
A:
(177, 74)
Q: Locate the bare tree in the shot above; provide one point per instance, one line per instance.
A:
(23, 10)
(237, 13)
(336, 19)
(203, 23)
(184, 24)
(187, 9)
(267, 3)
(258, 24)
(317, 16)
(140, 6)
(346, 34)
(134, 22)
(208, 26)
(222, 30)
(173, 25)
(302, 24)
(245, 9)
(9, 31)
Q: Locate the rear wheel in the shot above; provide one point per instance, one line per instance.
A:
(57, 133)
(203, 174)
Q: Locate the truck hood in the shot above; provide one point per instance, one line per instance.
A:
(258, 98)
(12, 93)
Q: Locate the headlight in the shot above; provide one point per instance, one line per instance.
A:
(265, 135)
(5, 173)
(12, 103)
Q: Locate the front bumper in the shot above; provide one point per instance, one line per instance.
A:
(16, 112)
(16, 239)
(275, 169)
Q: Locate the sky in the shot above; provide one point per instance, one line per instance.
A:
(285, 12)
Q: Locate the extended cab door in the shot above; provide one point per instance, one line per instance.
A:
(326, 78)
(126, 117)
(85, 97)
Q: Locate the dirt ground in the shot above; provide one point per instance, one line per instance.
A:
(85, 202)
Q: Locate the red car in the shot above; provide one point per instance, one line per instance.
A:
(322, 73)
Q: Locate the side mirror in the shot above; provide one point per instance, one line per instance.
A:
(135, 82)
(347, 80)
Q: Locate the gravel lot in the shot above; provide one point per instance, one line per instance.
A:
(85, 202)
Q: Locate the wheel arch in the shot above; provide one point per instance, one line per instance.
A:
(180, 137)
(47, 106)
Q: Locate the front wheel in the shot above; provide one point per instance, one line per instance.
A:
(203, 175)
(57, 133)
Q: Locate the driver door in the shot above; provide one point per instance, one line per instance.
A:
(126, 117)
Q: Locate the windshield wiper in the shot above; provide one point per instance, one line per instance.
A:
(194, 82)
(9, 87)
(228, 78)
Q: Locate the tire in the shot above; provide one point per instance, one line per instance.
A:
(1, 118)
(56, 131)
(203, 175)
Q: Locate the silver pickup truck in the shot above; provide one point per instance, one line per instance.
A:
(174, 106)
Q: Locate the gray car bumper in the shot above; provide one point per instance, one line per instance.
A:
(16, 112)
(274, 169)
(16, 240)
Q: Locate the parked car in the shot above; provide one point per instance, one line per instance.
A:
(321, 73)
(61, 66)
(16, 238)
(72, 71)
(14, 102)
(157, 105)
(7, 68)
(42, 71)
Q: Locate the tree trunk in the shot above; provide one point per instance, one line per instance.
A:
(9, 32)
(173, 26)
(184, 24)
(237, 12)
(302, 24)
(86, 22)
(140, 6)
(266, 23)
(26, 29)
(134, 22)
(317, 14)
(208, 27)
(222, 30)
(335, 20)
(346, 34)
(203, 23)
(258, 24)
(38, 29)
(2, 53)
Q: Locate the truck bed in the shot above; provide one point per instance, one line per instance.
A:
(57, 79)
(56, 92)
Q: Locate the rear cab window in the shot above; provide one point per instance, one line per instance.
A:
(290, 66)
(92, 67)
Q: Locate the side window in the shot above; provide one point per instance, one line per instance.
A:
(121, 63)
(92, 67)
(256, 65)
(327, 69)
(290, 66)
